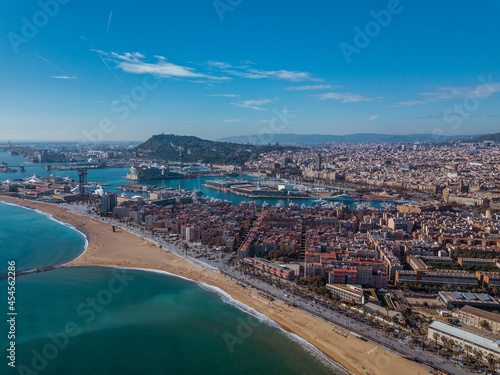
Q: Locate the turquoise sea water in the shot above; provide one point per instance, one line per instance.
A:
(33, 240)
(92, 320)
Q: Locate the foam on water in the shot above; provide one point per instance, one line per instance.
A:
(227, 298)
(224, 296)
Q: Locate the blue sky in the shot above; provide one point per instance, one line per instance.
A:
(124, 70)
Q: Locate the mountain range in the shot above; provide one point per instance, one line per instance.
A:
(488, 137)
(317, 139)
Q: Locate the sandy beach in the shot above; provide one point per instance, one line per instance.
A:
(124, 249)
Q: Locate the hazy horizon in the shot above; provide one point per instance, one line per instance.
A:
(6, 141)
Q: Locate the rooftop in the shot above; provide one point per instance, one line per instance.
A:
(481, 313)
(466, 336)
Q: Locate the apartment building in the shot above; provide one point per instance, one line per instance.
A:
(347, 293)
(462, 338)
(343, 276)
(272, 268)
(479, 318)
(437, 277)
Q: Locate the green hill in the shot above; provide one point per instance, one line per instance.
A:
(169, 146)
(484, 138)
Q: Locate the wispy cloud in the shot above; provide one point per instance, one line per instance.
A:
(234, 120)
(64, 77)
(246, 71)
(409, 103)
(447, 92)
(371, 118)
(163, 69)
(287, 75)
(313, 87)
(346, 97)
(226, 95)
(132, 57)
(444, 93)
(135, 63)
(218, 64)
(440, 116)
(253, 104)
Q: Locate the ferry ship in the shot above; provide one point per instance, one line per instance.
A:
(151, 173)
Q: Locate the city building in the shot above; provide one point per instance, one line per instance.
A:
(479, 318)
(451, 278)
(109, 202)
(456, 300)
(192, 234)
(272, 268)
(317, 162)
(342, 276)
(347, 292)
(437, 331)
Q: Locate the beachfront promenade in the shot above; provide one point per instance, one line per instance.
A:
(348, 323)
(346, 327)
(342, 320)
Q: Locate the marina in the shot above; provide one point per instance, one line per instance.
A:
(257, 189)
(111, 179)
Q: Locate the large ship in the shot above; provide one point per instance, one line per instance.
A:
(379, 197)
(151, 173)
(342, 197)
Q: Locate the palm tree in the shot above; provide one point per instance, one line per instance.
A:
(385, 327)
(485, 325)
(490, 357)
(435, 335)
(478, 363)
(467, 348)
(413, 339)
(449, 346)
(479, 358)
(444, 339)
(468, 359)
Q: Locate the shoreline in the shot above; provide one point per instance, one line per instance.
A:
(80, 231)
(127, 250)
(227, 298)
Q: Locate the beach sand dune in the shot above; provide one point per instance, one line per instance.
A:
(124, 249)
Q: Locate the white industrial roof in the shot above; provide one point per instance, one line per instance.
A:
(466, 336)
